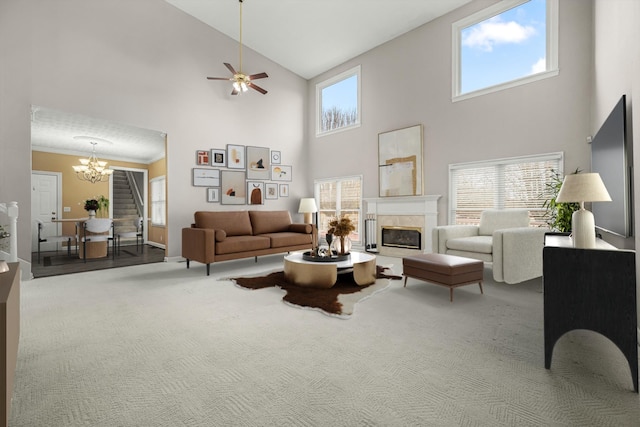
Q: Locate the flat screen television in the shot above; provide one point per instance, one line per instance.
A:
(611, 158)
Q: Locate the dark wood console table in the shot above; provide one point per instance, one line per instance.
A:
(592, 289)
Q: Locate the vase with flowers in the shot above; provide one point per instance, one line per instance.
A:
(99, 204)
(341, 228)
(91, 206)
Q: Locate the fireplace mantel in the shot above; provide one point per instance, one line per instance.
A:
(422, 206)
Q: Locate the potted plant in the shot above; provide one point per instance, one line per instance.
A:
(558, 215)
(341, 227)
(100, 204)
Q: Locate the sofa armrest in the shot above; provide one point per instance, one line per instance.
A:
(301, 228)
(517, 254)
(199, 244)
(442, 233)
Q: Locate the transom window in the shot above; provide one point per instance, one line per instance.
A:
(338, 102)
(517, 182)
(337, 197)
(508, 44)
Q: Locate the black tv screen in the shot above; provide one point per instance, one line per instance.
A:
(611, 159)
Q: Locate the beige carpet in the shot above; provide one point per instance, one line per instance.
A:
(160, 345)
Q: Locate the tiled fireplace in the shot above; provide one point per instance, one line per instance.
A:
(404, 224)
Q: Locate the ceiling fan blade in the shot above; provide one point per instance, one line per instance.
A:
(218, 78)
(233, 71)
(256, 87)
(258, 76)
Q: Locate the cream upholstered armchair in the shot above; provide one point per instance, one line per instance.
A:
(503, 238)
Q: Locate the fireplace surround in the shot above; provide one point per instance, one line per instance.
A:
(406, 212)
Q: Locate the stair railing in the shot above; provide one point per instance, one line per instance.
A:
(10, 231)
(137, 197)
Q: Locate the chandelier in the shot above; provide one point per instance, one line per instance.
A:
(92, 169)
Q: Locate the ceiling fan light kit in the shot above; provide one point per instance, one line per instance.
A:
(241, 82)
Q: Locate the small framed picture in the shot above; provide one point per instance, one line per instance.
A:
(280, 173)
(206, 177)
(236, 156)
(258, 163)
(233, 190)
(255, 192)
(284, 190)
(271, 191)
(275, 157)
(219, 158)
(202, 158)
(213, 195)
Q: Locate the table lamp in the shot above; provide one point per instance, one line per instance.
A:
(308, 207)
(580, 188)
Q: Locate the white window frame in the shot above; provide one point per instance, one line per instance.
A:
(355, 71)
(453, 203)
(496, 9)
(159, 180)
(316, 192)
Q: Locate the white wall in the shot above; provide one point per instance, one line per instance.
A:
(617, 72)
(407, 81)
(143, 63)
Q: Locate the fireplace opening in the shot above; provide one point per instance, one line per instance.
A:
(402, 237)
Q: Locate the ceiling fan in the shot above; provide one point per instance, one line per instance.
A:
(241, 82)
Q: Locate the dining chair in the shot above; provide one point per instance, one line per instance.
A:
(137, 233)
(98, 226)
(42, 237)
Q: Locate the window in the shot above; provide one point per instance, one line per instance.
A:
(508, 44)
(517, 182)
(337, 197)
(158, 201)
(338, 103)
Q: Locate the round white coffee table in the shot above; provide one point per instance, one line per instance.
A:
(325, 274)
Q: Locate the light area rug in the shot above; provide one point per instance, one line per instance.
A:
(160, 345)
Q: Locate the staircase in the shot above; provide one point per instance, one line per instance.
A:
(125, 210)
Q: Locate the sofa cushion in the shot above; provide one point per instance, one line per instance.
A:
(497, 219)
(280, 240)
(234, 223)
(482, 244)
(235, 244)
(269, 221)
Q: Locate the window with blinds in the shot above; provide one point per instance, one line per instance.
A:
(337, 197)
(517, 182)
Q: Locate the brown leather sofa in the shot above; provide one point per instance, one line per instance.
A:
(223, 236)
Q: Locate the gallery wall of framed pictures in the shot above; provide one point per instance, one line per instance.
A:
(241, 175)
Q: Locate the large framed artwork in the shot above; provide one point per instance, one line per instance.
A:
(400, 162)
(233, 190)
(258, 163)
(236, 156)
(206, 177)
(255, 192)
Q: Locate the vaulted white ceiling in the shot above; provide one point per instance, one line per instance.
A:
(310, 37)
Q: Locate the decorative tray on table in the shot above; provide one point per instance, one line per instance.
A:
(309, 256)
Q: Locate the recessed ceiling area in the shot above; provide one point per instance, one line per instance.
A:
(69, 133)
(310, 37)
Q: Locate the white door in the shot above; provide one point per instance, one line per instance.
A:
(45, 205)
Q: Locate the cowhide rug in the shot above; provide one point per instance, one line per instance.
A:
(338, 301)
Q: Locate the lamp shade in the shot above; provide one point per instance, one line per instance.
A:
(583, 187)
(307, 205)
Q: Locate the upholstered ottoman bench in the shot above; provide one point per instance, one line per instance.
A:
(446, 270)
